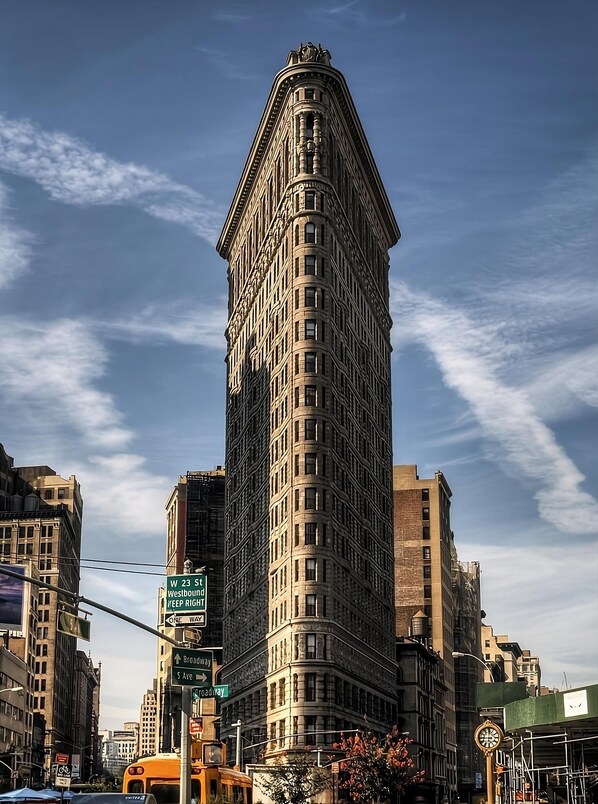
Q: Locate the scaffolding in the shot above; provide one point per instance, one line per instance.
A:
(550, 751)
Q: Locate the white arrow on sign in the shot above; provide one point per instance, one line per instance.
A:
(174, 620)
(201, 677)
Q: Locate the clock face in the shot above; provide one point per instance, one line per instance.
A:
(489, 737)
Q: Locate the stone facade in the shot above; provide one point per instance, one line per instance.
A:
(308, 612)
(40, 523)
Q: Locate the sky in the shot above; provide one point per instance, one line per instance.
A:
(124, 128)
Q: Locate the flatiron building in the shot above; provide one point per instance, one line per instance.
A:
(309, 625)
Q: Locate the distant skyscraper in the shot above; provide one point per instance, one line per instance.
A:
(309, 610)
(423, 577)
(148, 724)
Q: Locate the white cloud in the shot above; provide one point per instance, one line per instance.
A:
(122, 495)
(72, 172)
(15, 248)
(467, 354)
(549, 585)
(192, 325)
(49, 369)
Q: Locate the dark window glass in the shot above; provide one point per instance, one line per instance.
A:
(310, 200)
(310, 297)
(310, 335)
(310, 362)
(310, 264)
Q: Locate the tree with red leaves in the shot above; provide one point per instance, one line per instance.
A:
(376, 770)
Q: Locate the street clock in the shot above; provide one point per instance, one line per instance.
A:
(488, 737)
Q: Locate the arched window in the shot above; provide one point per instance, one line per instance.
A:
(297, 235)
(310, 233)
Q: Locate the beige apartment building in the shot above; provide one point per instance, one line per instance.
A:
(309, 599)
(40, 525)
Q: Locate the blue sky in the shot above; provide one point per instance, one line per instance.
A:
(123, 131)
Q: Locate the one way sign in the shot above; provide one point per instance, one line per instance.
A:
(192, 668)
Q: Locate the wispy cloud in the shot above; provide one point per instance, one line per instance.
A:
(223, 63)
(356, 13)
(188, 324)
(465, 353)
(137, 496)
(72, 172)
(50, 369)
(15, 244)
(541, 570)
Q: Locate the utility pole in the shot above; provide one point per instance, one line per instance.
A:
(239, 747)
(185, 734)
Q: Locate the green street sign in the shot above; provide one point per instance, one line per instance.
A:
(192, 668)
(217, 691)
(186, 594)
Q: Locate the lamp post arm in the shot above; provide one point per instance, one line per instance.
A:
(458, 655)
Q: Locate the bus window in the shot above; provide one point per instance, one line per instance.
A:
(135, 787)
(195, 791)
(214, 787)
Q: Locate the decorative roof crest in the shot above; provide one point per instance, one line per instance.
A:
(309, 52)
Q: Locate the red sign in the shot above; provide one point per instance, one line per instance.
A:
(62, 759)
(195, 725)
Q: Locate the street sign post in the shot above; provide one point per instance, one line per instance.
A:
(217, 691)
(63, 776)
(186, 594)
(73, 626)
(198, 620)
(192, 668)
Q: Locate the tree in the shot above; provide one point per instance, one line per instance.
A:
(293, 778)
(375, 769)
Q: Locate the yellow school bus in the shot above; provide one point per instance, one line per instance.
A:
(160, 776)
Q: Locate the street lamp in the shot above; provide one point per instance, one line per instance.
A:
(458, 655)
(11, 689)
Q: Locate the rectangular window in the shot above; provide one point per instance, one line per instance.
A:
(310, 200)
(310, 605)
(310, 726)
(426, 552)
(311, 532)
(310, 429)
(425, 495)
(310, 297)
(310, 646)
(310, 362)
(310, 265)
(311, 395)
(425, 514)
(310, 686)
(426, 532)
(427, 571)
(311, 499)
(311, 463)
(311, 331)
(427, 591)
(310, 569)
